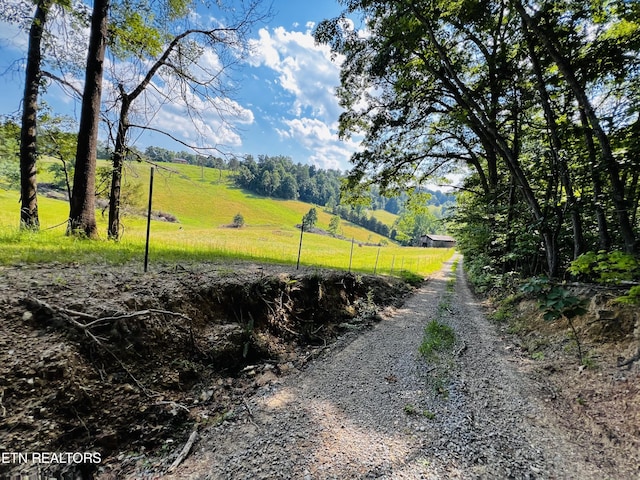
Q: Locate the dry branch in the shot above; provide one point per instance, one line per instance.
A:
(185, 450)
(65, 314)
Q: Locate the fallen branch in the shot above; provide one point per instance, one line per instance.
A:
(184, 453)
(174, 405)
(65, 314)
(635, 358)
(40, 306)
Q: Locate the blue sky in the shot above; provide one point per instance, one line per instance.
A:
(284, 103)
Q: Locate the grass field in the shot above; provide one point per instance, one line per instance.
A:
(205, 203)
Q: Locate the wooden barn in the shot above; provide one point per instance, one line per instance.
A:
(437, 241)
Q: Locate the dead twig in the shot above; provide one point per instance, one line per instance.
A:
(39, 305)
(246, 404)
(185, 450)
(174, 404)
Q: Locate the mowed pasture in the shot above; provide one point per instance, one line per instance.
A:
(204, 201)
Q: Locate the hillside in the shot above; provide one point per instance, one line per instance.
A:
(204, 201)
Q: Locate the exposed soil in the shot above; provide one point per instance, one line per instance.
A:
(277, 374)
(114, 361)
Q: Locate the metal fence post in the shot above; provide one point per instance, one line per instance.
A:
(146, 245)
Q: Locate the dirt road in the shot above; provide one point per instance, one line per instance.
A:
(374, 408)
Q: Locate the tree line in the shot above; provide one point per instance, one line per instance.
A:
(537, 100)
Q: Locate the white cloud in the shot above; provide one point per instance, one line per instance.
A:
(321, 140)
(304, 69)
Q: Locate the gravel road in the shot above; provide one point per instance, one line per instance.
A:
(372, 407)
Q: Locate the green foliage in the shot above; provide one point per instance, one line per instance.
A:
(9, 151)
(535, 186)
(606, 267)
(238, 221)
(438, 337)
(557, 302)
(334, 225)
(9, 173)
(279, 177)
(135, 31)
(631, 298)
(310, 218)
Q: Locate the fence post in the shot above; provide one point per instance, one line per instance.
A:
(393, 260)
(351, 254)
(300, 246)
(146, 245)
(375, 267)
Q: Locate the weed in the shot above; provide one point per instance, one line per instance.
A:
(437, 338)
(537, 356)
(428, 414)
(410, 409)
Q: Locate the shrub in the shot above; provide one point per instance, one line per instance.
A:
(238, 221)
(606, 267)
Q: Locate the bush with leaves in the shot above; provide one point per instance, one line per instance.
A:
(606, 267)
(238, 221)
(557, 303)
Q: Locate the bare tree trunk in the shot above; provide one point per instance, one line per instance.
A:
(82, 215)
(28, 134)
(116, 174)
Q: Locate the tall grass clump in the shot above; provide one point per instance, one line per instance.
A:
(438, 337)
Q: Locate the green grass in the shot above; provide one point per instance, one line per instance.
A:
(205, 203)
(438, 337)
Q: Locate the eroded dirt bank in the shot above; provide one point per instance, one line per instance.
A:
(110, 360)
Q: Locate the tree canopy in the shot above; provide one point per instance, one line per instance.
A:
(510, 93)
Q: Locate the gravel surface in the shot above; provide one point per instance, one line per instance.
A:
(372, 407)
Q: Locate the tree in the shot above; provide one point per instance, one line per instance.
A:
(334, 225)
(238, 221)
(310, 219)
(179, 60)
(507, 91)
(28, 152)
(82, 218)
